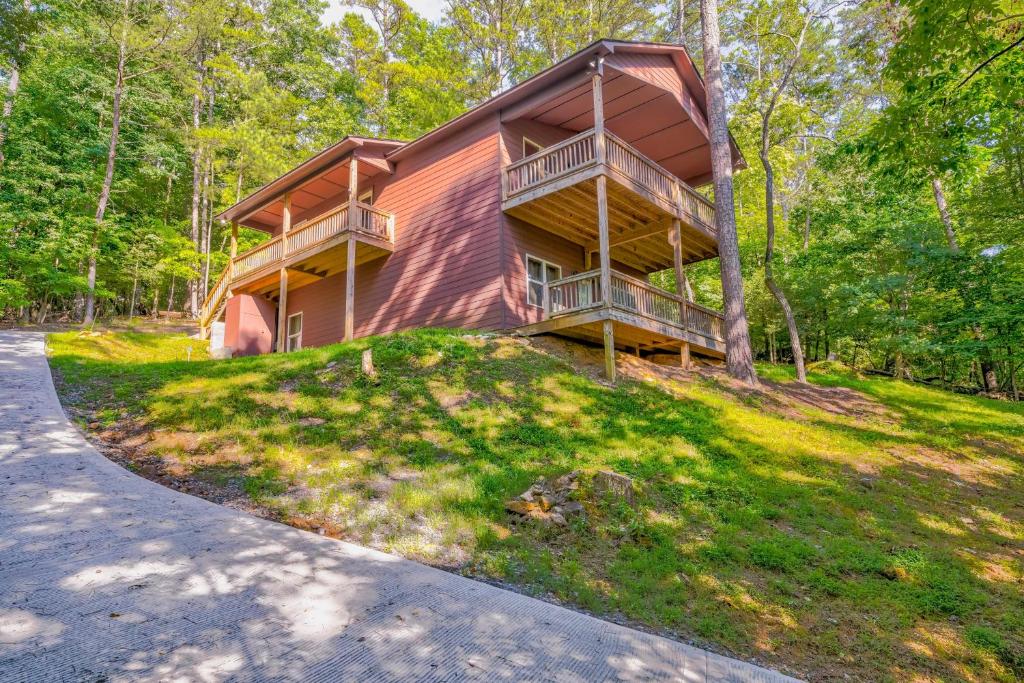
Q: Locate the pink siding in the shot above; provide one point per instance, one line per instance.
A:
(249, 323)
(513, 132)
(446, 267)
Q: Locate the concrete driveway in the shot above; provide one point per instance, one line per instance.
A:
(105, 576)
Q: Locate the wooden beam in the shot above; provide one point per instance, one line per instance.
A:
(350, 290)
(555, 91)
(599, 139)
(286, 223)
(631, 235)
(677, 266)
(282, 312)
(604, 249)
(353, 191)
(234, 239)
(609, 350)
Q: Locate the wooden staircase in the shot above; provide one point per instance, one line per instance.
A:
(215, 302)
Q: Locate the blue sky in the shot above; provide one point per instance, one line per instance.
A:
(431, 9)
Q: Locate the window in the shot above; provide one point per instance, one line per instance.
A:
(366, 196)
(530, 147)
(539, 272)
(294, 332)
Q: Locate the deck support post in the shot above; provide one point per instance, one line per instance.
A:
(286, 223)
(353, 191)
(684, 355)
(677, 262)
(350, 288)
(282, 313)
(595, 80)
(609, 350)
(234, 240)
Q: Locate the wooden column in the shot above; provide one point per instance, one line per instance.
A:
(234, 239)
(677, 262)
(282, 313)
(353, 191)
(286, 222)
(595, 81)
(282, 299)
(609, 350)
(604, 247)
(350, 288)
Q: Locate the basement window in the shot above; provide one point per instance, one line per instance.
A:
(294, 332)
(539, 272)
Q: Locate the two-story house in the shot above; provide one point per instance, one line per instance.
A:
(543, 210)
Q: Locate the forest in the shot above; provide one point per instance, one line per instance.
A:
(880, 219)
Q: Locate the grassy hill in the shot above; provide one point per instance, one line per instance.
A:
(858, 526)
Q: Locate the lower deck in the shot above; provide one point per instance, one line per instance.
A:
(637, 316)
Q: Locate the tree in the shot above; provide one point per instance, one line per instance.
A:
(739, 357)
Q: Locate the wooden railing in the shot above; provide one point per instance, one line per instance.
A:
(309, 234)
(705, 321)
(582, 291)
(259, 256)
(312, 232)
(640, 169)
(551, 163)
(574, 293)
(583, 151)
(214, 299)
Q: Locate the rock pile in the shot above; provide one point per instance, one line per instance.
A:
(549, 502)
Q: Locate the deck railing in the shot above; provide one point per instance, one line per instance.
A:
(551, 163)
(583, 151)
(259, 256)
(582, 291)
(305, 236)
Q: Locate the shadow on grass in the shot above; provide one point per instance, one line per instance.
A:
(782, 549)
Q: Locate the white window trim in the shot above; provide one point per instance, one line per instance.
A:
(526, 141)
(366, 196)
(288, 335)
(545, 264)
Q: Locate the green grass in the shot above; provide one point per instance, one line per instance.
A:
(877, 534)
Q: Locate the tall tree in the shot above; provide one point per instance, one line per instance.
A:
(739, 357)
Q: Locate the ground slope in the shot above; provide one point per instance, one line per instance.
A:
(860, 527)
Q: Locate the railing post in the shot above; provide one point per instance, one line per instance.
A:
(546, 301)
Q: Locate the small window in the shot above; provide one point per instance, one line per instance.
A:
(366, 197)
(294, 332)
(530, 147)
(539, 272)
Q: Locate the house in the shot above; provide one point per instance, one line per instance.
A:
(543, 210)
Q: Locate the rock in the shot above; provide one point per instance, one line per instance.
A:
(331, 364)
(546, 502)
(556, 518)
(571, 509)
(311, 421)
(614, 485)
(522, 507)
(567, 482)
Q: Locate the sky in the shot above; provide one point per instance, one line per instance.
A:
(429, 9)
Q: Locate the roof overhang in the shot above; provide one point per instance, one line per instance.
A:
(563, 73)
(300, 174)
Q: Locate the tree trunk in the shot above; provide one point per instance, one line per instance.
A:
(197, 107)
(769, 276)
(12, 88)
(170, 297)
(947, 220)
(739, 357)
(108, 178)
(807, 230)
(135, 290)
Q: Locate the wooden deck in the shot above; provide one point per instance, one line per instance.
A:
(311, 250)
(555, 189)
(644, 317)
